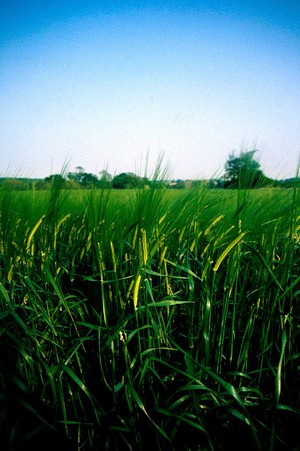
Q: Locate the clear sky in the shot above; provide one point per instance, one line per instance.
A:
(102, 83)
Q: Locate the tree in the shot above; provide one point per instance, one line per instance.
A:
(89, 180)
(127, 180)
(243, 171)
(76, 176)
(83, 179)
(55, 180)
(105, 179)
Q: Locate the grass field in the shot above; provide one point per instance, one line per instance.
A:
(150, 319)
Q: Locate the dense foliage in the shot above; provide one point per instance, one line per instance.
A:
(128, 181)
(244, 171)
(149, 319)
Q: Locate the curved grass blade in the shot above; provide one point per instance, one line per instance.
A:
(227, 250)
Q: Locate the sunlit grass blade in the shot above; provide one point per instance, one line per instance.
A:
(227, 250)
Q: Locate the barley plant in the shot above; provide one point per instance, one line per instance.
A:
(149, 319)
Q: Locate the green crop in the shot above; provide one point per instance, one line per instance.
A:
(150, 318)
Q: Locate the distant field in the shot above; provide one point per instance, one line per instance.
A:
(268, 203)
(150, 318)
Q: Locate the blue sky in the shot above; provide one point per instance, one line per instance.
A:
(100, 84)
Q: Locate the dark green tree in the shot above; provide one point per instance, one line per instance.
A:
(83, 179)
(243, 171)
(127, 180)
(55, 180)
(89, 180)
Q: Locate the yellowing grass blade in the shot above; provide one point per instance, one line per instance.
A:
(33, 232)
(136, 291)
(227, 250)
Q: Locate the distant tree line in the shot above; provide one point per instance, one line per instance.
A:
(241, 171)
(79, 180)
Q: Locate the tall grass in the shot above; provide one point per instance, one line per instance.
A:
(149, 318)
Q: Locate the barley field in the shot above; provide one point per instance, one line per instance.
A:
(150, 319)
